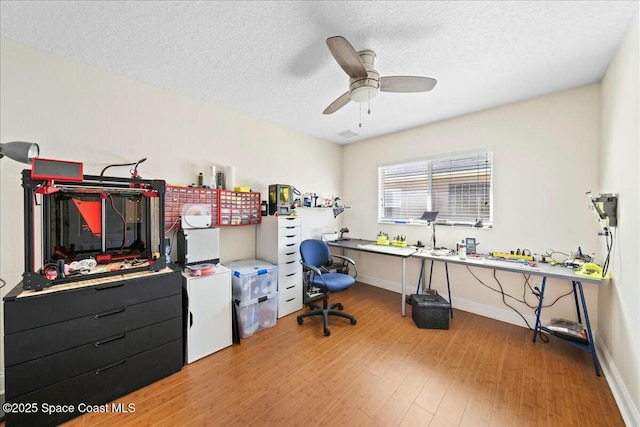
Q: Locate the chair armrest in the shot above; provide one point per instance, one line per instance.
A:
(315, 270)
(346, 258)
(345, 261)
(312, 268)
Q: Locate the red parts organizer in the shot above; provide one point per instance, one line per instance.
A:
(239, 208)
(227, 207)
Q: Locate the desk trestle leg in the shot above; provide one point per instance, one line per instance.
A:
(591, 348)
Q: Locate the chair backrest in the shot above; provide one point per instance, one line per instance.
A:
(315, 252)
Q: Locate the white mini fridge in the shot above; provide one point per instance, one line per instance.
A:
(208, 314)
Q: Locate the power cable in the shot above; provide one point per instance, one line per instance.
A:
(504, 295)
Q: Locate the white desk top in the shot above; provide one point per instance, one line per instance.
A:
(541, 269)
(370, 246)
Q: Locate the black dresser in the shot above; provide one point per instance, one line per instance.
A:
(89, 343)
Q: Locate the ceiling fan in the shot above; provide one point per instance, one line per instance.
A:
(364, 80)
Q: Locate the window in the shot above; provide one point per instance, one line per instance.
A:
(458, 186)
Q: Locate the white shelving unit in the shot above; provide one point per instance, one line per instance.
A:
(278, 242)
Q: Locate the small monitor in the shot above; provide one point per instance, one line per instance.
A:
(429, 216)
(56, 169)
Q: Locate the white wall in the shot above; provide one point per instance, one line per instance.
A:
(544, 159)
(619, 154)
(79, 113)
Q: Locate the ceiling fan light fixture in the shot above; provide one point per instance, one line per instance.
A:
(364, 93)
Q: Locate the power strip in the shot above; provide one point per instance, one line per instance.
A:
(511, 256)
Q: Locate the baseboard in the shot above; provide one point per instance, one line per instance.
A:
(628, 409)
(384, 284)
(501, 314)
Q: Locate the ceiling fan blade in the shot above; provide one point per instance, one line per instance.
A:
(346, 56)
(337, 104)
(404, 84)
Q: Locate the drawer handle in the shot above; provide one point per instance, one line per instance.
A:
(108, 340)
(290, 236)
(291, 287)
(290, 226)
(111, 366)
(289, 300)
(290, 244)
(190, 319)
(109, 313)
(292, 274)
(290, 262)
(108, 286)
(291, 253)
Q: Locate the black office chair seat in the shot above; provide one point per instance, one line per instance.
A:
(315, 255)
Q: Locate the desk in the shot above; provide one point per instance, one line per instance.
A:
(543, 270)
(370, 246)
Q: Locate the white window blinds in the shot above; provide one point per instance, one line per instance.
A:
(458, 186)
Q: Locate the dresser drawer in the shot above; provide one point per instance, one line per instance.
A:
(292, 230)
(288, 245)
(290, 304)
(288, 257)
(42, 309)
(33, 343)
(291, 290)
(289, 268)
(39, 373)
(289, 222)
(294, 279)
(101, 385)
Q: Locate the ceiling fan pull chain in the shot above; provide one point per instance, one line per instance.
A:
(369, 103)
(360, 123)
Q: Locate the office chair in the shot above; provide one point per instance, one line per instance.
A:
(316, 260)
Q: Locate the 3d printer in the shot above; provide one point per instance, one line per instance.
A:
(92, 226)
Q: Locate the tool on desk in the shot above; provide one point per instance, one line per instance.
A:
(462, 250)
(590, 269)
(512, 255)
(342, 231)
(430, 217)
(400, 241)
(471, 245)
(382, 239)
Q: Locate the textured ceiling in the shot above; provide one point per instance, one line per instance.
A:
(269, 59)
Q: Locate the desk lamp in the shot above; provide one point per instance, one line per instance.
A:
(21, 152)
(430, 217)
(342, 231)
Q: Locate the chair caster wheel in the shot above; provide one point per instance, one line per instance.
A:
(353, 322)
(340, 307)
(299, 321)
(327, 332)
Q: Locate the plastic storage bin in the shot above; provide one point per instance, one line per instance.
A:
(430, 311)
(257, 314)
(252, 278)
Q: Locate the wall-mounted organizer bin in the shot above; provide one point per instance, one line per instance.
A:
(239, 208)
(177, 197)
(228, 208)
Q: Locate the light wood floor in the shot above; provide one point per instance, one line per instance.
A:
(384, 371)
